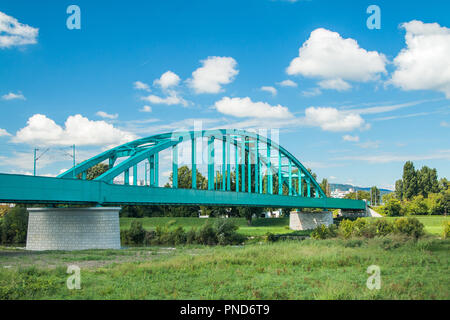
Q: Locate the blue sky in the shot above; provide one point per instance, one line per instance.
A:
(359, 102)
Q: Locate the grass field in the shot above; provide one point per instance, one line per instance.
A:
(308, 269)
(259, 227)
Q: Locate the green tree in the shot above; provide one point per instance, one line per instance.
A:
(95, 171)
(427, 181)
(399, 189)
(374, 196)
(409, 181)
(393, 207)
(358, 195)
(325, 187)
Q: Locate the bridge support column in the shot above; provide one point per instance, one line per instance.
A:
(73, 228)
(309, 220)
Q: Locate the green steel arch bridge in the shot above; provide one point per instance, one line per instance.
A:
(254, 155)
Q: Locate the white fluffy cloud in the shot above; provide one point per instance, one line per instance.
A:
(171, 99)
(13, 33)
(4, 133)
(270, 89)
(245, 107)
(77, 129)
(13, 96)
(332, 119)
(168, 79)
(335, 84)
(287, 83)
(328, 56)
(105, 115)
(146, 109)
(425, 62)
(350, 138)
(139, 85)
(215, 72)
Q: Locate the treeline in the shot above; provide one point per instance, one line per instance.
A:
(418, 192)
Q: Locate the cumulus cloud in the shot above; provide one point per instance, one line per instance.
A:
(270, 89)
(107, 115)
(146, 109)
(350, 138)
(245, 107)
(215, 72)
(138, 85)
(335, 84)
(332, 119)
(13, 33)
(168, 79)
(41, 130)
(13, 96)
(328, 56)
(425, 62)
(287, 83)
(4, 133)
(171, 99)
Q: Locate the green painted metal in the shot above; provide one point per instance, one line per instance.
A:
(147, 149)
(194, 163)
(236, 156)
(223, 164)
(48, 190)
(257, 165)
(243, 164)
(175, 166)
(280, 179)
(228, 164)
(135, 176)
(249, 169)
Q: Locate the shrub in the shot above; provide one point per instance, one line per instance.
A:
(393, 207)
(323, 232)
(206, 234)
(346, 228)
(270, 237)
(135, 235)
(191, 236)
(383, 227)
(417, 206)
(409, 226)
(14, 226)
(446, 233)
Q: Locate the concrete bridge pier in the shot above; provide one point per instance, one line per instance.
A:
(73, 228)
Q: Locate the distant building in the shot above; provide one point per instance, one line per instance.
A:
(337, 193)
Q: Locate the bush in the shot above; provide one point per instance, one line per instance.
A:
(409, 226)
(446, 233)
(14, 226)
(417, 206)
(346, 228)
(323, 232)
(223, 233)
(206, 234)
(393, 207)
(383, 227)
(135, 235)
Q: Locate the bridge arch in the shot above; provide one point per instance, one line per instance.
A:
(251, 150)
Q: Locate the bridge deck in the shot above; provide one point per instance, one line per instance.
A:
(29, 189)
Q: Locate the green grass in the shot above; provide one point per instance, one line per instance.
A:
(433, 224)
(309, 269)
(259, 227)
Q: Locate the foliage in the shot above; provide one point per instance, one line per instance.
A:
(393, 207)
(446, 232)
(409, 226)
(409, 181)
(383, 227)
(323, 232)
(222, 232)
(14, 226)
(95, 171)
(358, 195)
